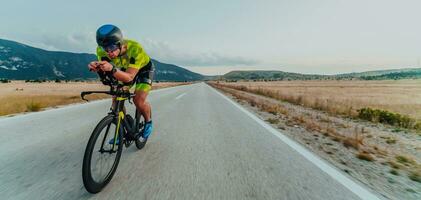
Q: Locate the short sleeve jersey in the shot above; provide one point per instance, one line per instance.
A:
(135, 56)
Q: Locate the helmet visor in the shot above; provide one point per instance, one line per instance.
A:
(110, 48)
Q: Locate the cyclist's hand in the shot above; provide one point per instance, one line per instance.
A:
(93, 66)
(105, 66)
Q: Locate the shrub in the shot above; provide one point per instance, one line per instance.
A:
(350, 142)
(386, 117)
(273, 120)
(394, 165)
(391, 141)
(415, 176)
(394, 172)
(33, 106)
(365, 156)
(417, 125)
(404, 160)
(4, 81)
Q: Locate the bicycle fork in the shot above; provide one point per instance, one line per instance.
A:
(119, 108)
(117, 130)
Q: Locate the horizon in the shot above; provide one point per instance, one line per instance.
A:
(207, 71)
(309, 37)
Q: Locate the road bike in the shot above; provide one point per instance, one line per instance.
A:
(102, 153)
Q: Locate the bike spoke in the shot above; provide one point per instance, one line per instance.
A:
(104, 156)
(106, 133)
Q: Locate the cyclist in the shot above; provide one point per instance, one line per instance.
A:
(129, 63)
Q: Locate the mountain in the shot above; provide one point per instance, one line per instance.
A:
(280, 75)
(263, 74)
(414, 73)
(20, 61)
(383, 74)
(170, 72)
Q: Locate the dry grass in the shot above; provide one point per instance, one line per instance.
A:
(405, 160)
(356, 141)
(391, 141)
(33, 103)
(261, 104)
(273, 120)
(394, 172)
(342, 97)
(394, 165)
(18, 96)
(365, 156)
(33, 106)
(415, 176)
(313, 126)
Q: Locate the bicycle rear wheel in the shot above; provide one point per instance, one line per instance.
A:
(101, 158)
(141, 142)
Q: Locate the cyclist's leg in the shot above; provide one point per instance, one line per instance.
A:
(143, 85)
(144, 107)
(113, 103)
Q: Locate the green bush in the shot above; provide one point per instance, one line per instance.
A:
(387, 117)
(4, 81)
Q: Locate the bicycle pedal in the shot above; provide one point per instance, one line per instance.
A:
(127, 143)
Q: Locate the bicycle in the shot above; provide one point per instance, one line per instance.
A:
(126, 130)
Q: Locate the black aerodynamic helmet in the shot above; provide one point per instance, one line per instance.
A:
(109, 35)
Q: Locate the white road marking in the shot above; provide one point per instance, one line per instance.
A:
(324, 166)
(181, 95)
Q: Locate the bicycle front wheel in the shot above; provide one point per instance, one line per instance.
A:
(102, 154)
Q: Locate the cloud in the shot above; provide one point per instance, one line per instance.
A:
(84, 42)
(81, 42)
(165, 52)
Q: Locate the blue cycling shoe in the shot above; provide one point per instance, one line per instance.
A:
(112, 141)
(147, 130)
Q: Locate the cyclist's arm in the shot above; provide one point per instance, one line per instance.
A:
(119, 75)
(126, 76)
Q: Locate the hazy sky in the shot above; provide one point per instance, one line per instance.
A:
(213, 37)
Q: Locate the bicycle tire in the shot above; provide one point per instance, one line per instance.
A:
(88, 181)
(141, 144)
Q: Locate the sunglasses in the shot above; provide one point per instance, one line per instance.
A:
(110, 48)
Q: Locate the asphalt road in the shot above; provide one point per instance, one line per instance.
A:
(203, 146)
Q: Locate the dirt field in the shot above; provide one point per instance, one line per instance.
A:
(401, 96)
(18, 96)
